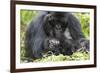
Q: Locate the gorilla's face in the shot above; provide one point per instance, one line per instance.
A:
(57, 22)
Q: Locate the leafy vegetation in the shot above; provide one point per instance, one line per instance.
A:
(77, 56)
(27, 16)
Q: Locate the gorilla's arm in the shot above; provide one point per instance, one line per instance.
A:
(74, 27)
(34, 37)
(76, 33)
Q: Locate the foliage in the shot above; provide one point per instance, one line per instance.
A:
(76, 56)
(26, 16)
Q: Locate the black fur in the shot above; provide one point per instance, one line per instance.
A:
(49, 26)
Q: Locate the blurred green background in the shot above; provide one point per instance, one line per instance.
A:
(28, 15)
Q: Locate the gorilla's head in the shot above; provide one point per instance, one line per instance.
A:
(57, 22)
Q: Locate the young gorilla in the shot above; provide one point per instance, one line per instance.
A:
(60, 27)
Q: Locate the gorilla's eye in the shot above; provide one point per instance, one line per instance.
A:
(52, 23)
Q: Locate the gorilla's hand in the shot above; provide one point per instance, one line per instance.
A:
(53, 43)
(84, 45)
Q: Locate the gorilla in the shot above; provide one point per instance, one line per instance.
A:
(55, 32)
